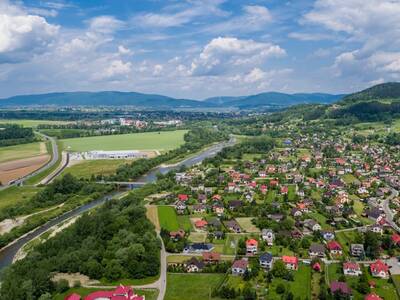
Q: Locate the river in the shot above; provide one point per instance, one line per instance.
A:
(7, 253)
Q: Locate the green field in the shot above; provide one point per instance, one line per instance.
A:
(149, 294)
(31, 123)
(87, 168)
(171, 221)
(10, 153)
(15, 195)
(162, 141)
(300, 286)
(191, 286)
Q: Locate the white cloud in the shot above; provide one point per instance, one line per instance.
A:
(23, 35)
(255, 75)
(224, 53)
(307, 36)
(183, 15)
(372, 29)
(124, 51)
(117, 69)
(105, 24)
(254, 18)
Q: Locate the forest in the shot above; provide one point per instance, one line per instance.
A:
(116, 241)
(12, 134)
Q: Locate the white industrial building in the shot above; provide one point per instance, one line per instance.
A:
(121, 154)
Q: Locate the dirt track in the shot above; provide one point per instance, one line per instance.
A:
(15, 169)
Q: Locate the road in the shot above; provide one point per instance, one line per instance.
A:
(389, 213)
(52, 162)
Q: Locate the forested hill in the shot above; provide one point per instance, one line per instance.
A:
(390, 90)
(151, 101)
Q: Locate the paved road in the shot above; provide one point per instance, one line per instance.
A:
(51, 163)
(389, 213)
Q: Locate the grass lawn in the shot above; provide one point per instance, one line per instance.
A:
(15, 195)
(142, 281)
(321, 219)
(301, 286)
(168, 218)
(349, 178)
(163, 141)
(230, 245)
(191, 286)
(87, 168)
(251, 157)
(149, 294)
(271, 196)
(15, 152)
(346, 238)
(184, 223)
(197, 237)
(247, 225)
(316, 195)
(32, 123)
(279, 250)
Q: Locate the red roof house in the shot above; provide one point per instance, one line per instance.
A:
(183, 197)
(372, 296)
(251, 246)
(120, 293)
(396, 239)
(379, 269)
(284, 190)
(201, 223)
(291, 262)
(73, 297)
(334, 247)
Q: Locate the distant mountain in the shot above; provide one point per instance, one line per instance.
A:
(100, 99)
(390, 90)
(282, 99)
(150, 101)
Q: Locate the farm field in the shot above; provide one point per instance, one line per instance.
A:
(191, 286)
(162, 141)
(32, 123)
(87, 168)
(15, 152)
(20, 160)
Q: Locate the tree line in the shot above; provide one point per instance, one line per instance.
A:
(13, 134)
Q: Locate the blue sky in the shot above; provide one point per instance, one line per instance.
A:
(198, 48)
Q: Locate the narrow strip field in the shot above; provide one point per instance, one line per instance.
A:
(162, 141)
(11, 153)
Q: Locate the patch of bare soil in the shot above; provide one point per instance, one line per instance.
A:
(12, 170)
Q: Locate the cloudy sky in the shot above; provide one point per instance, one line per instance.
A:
(197, 48)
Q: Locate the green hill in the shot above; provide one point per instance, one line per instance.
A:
(390, 90)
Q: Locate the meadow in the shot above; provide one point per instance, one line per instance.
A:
(15, 152)
(16, 195)
(191, 286)
(32, 123)
(87, 168)
(162, 141)
(171, 221)
(82, 291)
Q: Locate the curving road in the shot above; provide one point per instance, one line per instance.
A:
(8, 253)
(389, 213)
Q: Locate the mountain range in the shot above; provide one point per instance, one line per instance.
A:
(152, 101)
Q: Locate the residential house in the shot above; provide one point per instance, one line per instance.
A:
(357, 250)
(266, 260)
(251, 246)
(317, 250)
(334, 248)
(268, 236)
(211, 257)
(379, 269)
(119, 293)
(351, 269)
(291, 262)
(201, 224)
(312, 225)
(194, 265)
(372, 296)
(199, 208)
(328, 235)
(177, 235)
(199, 248)
(232, 225)
(239, 267)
